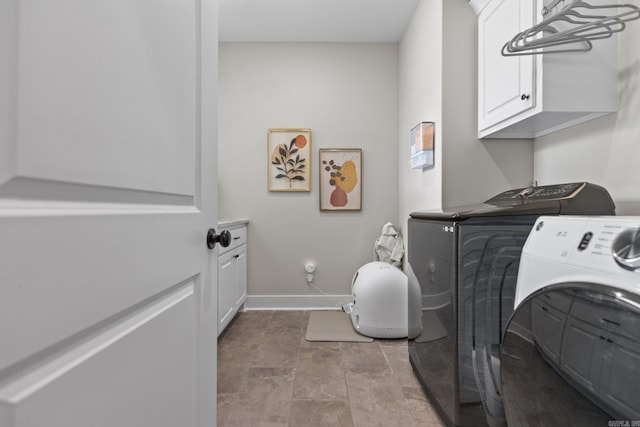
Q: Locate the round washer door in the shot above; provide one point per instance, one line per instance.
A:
(571, 356)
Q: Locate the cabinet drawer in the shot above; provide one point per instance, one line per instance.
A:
(609, 318)
(238, 237)
(557, 300)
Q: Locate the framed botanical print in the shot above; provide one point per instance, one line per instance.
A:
(289, 159)
(340, 179)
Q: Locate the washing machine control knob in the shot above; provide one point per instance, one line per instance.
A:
(626, 248)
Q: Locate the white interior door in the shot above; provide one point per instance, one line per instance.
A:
(108, 133)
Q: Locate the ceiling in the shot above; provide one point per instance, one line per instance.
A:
(314, 20)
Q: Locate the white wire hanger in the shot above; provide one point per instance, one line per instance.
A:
(572, 28)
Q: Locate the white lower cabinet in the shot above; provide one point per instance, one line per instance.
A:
(232, 275)
(601, 355)
(530, 96)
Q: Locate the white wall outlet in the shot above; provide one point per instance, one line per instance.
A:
(309, 268)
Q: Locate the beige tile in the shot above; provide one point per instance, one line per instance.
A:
(311, 358)
(320, 413)
(225, 402)
(278, 349)
(376, 399)
(230, 378)
(275, 355)
(320, 383)
(287, 320)
(236, 353)
(256, 314)
(234, 359)
(285, 323)
(420, 407)
(247, 326)
(289, 337)
(269, 375)
(261, 381)
(398, 359)
(264, 399)
(244, 413)
(362, 356)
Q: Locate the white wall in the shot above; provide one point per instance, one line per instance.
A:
(605, 151)
(347, 94)
(438, 82)
(473, 170)
(420, 64)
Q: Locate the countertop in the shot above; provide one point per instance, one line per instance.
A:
(230, 223)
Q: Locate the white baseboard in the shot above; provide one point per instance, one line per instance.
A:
(296, 302)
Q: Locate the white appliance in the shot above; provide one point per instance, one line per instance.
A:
(571, 350)
(576, 249)
(380, 297)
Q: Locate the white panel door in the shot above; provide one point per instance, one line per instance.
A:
(108, 133)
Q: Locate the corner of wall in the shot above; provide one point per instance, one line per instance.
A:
(473, 170)
(420, 99)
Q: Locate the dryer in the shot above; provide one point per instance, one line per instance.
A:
(571, 350)
(465, 260)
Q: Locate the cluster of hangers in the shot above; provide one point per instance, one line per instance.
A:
(572, 28)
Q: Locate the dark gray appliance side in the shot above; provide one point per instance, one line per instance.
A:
(488, 262)
(433, 256)
(470, 254)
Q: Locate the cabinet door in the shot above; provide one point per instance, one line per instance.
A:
(226, 285)
(547, 329)
(240, 289)
(505, 84)
(620, 377)
(582, 353)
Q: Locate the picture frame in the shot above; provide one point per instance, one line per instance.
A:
(422, 143)
(289, 159)
(340, 179)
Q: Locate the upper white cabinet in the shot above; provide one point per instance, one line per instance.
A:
(532, 95)
(506, 83)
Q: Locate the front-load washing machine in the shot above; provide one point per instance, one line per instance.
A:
(571, 350)
(465, 260)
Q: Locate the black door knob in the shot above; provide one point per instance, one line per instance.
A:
(524, 96)
(224, 238)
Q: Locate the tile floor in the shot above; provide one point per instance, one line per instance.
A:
(269, 375)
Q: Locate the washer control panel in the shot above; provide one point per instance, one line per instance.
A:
(626, 248)
(566, 249)
(603, 243)
(545, 192)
